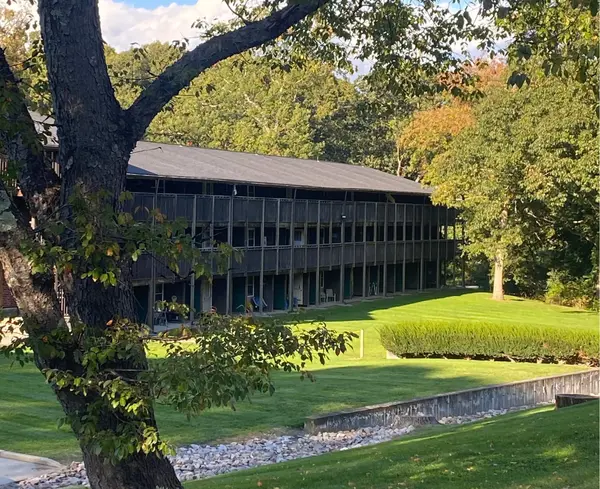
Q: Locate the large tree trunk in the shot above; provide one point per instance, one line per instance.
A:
(96, 139)
(95, 146)
(498, 289)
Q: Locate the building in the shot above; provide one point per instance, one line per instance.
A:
(309, 232)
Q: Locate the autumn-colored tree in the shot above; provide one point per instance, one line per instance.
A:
(429, 131)
(525, 179)
(14, 24)
(428, 134)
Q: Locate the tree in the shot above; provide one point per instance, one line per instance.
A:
(246, 104)
(362, 129)
(93, 244)
(250, 103)
(524, 176)
(14, 24)
(440, 118)
(428, 134)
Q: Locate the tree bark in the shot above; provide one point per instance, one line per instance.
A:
(96, 139)
(498, 289)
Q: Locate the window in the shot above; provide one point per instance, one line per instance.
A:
(251, 190)
(336, 235)
(360, 235)
(251, 237)
(250, 287)
(321, 280)
(348, 234)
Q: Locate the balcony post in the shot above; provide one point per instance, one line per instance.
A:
(342, 266)
(404, 244)
(261, 284)
(364, 274)
(305, 244)
(318, 273)
(291, 274)
(395, 277)
(438, 235)
(277, 243)
(193, 276)
(229, 261)
(385, 236)
(422, 264)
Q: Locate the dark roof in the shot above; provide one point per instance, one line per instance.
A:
(185, 162)
(181, 162)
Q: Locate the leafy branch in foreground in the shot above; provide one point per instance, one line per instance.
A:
(218, 362)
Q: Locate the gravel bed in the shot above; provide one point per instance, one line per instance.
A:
(199, 461)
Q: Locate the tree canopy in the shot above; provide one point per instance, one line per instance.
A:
(525, 179)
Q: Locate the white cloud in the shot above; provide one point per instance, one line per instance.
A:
(123, 24)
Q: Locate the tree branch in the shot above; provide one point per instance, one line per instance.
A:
(21, 142)
(179, 75)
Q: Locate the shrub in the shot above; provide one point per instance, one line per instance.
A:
(480, 340)
(568, 291)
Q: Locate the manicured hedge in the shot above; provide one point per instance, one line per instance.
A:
(480, 340)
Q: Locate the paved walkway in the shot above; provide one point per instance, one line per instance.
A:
(13, 470)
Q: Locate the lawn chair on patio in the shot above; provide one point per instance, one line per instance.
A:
(330, 295)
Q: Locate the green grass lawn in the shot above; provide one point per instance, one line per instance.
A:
(28, 410)
(538, 449)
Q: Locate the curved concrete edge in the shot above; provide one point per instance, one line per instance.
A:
(23, 457)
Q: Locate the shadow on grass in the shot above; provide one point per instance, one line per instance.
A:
(29, 411)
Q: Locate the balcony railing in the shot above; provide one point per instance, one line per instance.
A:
(274, 259)
(222, 209)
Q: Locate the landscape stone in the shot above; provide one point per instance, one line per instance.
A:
(200, 461)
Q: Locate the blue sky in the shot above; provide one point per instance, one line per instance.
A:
(158, 3)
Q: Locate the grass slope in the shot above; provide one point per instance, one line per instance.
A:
(539, 449)
(28, 409)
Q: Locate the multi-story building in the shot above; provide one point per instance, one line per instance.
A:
(309, 232)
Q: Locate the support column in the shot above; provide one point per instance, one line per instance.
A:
(385, 235)
(342, 266)
(277, 236)
(206, 292)
(152, 285)
(464, 272)
(438, 235)
(318, 272)
(291, 274)
(364, 274)
(193, 277)
(229, 261)
(305, 240)
(404, 251)
(261, 283)
(422, 264)
(330, 244)
(395, 234)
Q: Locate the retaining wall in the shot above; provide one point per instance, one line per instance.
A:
(461, 403)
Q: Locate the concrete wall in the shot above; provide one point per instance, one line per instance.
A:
(461, 403)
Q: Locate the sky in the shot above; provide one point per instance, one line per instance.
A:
(129, 22)
(143, 21)
(149, 4)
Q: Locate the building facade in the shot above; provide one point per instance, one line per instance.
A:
(327, 238)
(304, 232)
